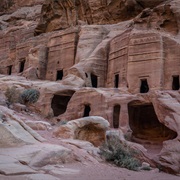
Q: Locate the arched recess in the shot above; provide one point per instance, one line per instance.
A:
(116, 114)
(60, 102)
(145, 125)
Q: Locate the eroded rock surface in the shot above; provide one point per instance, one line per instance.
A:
(114, 59)
(90, 129)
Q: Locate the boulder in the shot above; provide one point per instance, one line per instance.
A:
(30, 159)
(11, 166)
(51, 154)
(90, 129)
(13, 134)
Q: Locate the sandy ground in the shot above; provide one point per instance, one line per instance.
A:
(103, 172)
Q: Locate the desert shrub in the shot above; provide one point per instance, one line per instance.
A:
(119, 154)
(12, 95)
(29, 96)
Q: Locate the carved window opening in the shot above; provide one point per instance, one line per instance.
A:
(94, 80)
(116, 113)
(86, 75)
(116, 81)
(59, 103)
(21, 65)
(59, 75)
(145, 125)
(175, 83)
(87, 110)
(9, 70)
(144, 88)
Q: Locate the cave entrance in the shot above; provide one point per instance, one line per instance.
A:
(60, 102)
(116, 113)
(59, 75)
(116, 81)
(87, 110)
(94, 80)
(144, 88)
(175, 83)
(145, 125)
(21, 65)
(9, 70)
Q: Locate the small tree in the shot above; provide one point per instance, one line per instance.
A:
(29, 96)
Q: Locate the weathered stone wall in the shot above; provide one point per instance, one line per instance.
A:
(138, 56)
(61, 54)
(145, 61)
(171, 64)
(118, 59)
(7, 49)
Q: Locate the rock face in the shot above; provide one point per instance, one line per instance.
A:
(114, 59)
(71, 12)
(60, 14)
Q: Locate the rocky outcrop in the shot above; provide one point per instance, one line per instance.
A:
(57, 15)
(114, 59)
(9, 6)
(161, 18)
(30, 159)
(90, 129)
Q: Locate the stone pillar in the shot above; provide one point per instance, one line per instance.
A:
(124, 118)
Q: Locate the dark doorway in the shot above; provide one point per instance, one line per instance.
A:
(145, 125)
(116, 113)
(9, 69)
(59, 103)
(59, 75)
(175, 83)
(94, 80)
(87, 110)
(116, 81)
(21, 66)
(144, 88)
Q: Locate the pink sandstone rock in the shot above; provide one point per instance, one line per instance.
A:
(114, 59)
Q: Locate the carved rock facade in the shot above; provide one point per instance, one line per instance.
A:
(127, 73)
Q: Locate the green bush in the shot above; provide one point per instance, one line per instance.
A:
(12, 95)
(119, 154)
(29, 96)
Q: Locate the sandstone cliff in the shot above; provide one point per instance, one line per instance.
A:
(118, 59)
